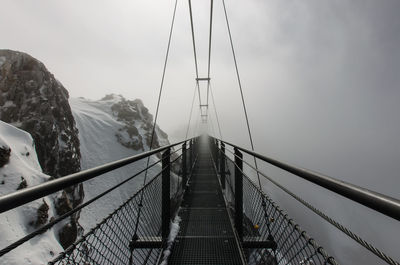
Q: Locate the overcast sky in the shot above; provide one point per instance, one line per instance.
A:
(321, 80)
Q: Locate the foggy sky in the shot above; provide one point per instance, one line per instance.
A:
(320, 78)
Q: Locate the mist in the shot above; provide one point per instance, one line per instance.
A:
(320, 80)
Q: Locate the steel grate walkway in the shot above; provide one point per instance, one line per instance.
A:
(206, 235)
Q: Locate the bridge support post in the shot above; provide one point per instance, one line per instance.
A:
(166, 203)
(222, 165)
(184, 170)
(217, 154)
(239, 193)
(190, 154)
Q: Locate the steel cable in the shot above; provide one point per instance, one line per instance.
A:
(216, 113)
(190, 115)
(209, 49)
(157, 109)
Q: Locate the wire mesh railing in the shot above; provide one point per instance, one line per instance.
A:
(265, 224)
(135, 232)
(109, 241)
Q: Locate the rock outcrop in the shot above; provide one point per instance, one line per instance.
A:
(138, 124)
(4, 155)
(33, 100)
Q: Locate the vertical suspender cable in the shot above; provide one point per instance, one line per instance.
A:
(209, 49)
(155, 119)
(197, 125)
(247, 119)
(216, 113)
(212, 126)
(240, 87)
(190, 115)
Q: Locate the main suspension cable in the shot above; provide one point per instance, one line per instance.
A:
(194, 48)
(209, 49)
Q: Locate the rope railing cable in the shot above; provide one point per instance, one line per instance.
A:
(330, 220)
(157, 109)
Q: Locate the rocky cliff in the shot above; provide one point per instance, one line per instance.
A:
(33, 100)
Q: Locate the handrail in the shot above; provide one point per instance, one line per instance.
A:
(18, 198)
(384, 204)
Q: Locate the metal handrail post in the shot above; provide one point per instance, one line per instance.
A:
(184, 165)
(166, 202)
(239, 193)
(216, 154)
(222, 165)
(191, 153)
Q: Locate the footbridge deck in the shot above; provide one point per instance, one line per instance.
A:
(206, 235)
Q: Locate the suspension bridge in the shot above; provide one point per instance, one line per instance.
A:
(223, 214)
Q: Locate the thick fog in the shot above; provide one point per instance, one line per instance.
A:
(321, 80)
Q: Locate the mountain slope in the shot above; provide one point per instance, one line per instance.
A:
(22, 169)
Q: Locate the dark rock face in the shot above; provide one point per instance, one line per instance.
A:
(67, 234)
(136, 117)
(138, 127)
(42, 215)
(5, 153)
(23, 184)
(33, 100)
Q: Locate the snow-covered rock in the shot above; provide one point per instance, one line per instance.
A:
(23, 167)
(34, 101)
(109, 129)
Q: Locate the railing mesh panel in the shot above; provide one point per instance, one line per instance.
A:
(108, 242)
(262, 219)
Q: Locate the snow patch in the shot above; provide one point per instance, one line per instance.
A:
(8, 104)
(2, 60)
(171, 238)
(15, 224)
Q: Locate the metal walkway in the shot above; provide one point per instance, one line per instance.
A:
(137, 231)
(206, 235)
